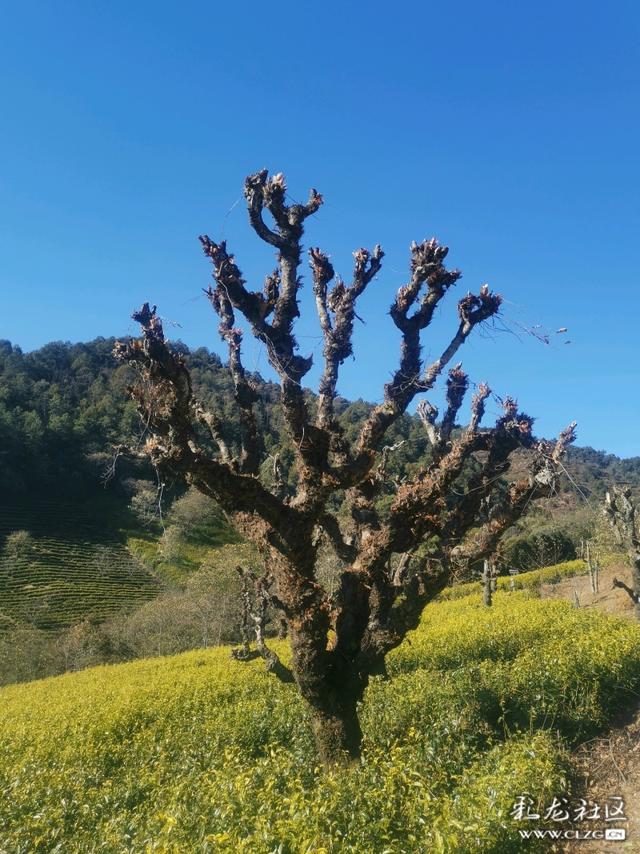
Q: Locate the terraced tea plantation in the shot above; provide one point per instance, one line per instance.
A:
(70, 563)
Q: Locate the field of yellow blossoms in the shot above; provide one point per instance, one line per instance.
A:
(199, 753)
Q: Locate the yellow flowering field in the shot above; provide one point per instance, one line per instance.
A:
(530, 580)
(200, 753)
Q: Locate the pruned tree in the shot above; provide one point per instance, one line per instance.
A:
(450, 513)
(621, 511)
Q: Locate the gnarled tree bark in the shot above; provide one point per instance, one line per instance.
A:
(620, 509)
(453, 511)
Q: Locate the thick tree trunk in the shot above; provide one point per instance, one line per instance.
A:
(332, 688)
(337, 734)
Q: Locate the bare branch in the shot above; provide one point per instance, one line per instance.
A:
(478, 405)
(620, 511)
(214, 424)
(439, 436)
(245, 393)
(279, 298)
(427, 267)
(336, 311)
(382, 472)
(419, 512)
(254, 306)
(428, 414)
(472, 310)
(166, 402)
(257, 189)
(457, 385)
(279, 483)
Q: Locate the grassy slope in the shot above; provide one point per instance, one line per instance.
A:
(201, 753)
(188, 555)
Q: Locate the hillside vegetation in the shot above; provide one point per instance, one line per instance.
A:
(68, 563)
(63, 561)
(201, 753)
(63, 408)
(84, 583)
(532, 580)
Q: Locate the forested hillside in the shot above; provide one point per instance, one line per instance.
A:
(64, 408)
(64, 561)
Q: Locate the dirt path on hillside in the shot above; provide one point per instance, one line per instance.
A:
(608, 766)
(610, 599)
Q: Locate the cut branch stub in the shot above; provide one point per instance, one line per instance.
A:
(427, 268)
(474, 309)
(478, 406)
(428, 414)
(457, 385)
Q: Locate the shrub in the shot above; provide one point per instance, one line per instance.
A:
(199, 519)
(18, 544)
(529, 662)
(541, 548)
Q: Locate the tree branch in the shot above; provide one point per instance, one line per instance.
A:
(311, 444)
(244, 392)
(427, 268)
(166, 402)
(336, 311)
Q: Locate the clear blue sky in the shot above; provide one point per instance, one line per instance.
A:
(511, 131)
